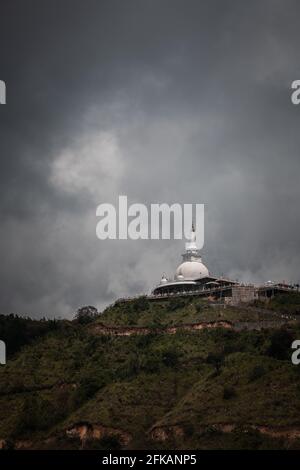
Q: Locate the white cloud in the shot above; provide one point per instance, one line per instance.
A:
(92, 165)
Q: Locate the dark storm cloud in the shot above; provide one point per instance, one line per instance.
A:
(165, 101)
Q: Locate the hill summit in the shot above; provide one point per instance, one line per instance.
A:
(181, 373)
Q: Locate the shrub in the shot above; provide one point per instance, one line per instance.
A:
(140, 304)
(144, 340)
(170, 358)
(87, 388)
(286, 303)
(203, 304)
(37, 414)
(280, 347)
(150, 363)
(217, 360)
(176, 304)
(228, 393)
(129, 369)
(256, 373)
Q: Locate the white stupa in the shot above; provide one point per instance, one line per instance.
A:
(191, 275)
(192, 267)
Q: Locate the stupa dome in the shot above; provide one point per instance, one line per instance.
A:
(191, 270)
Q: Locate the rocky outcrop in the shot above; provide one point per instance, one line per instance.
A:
(136, 330)
(163, 433)
(100, 329)
(23, 445)
(86, 431)
(3, 444)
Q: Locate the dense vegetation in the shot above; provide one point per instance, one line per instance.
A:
(18, 331)
(285, 303)
(213, 388)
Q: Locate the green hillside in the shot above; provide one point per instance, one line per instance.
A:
(171, 374)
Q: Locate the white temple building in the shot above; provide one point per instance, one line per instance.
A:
(191, 275)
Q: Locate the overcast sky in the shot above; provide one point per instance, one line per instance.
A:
(163, 101)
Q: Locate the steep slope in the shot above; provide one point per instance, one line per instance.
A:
(80, 386)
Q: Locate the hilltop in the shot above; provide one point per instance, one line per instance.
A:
(179, 373)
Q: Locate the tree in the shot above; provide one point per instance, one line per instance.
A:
(280, 346)
(86, 314)
(216, 360)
